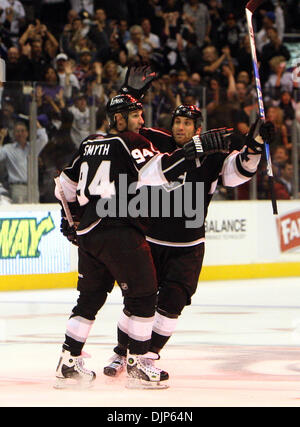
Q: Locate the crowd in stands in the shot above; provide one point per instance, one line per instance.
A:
(71, 57)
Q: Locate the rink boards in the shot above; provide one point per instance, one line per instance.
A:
(243, 240)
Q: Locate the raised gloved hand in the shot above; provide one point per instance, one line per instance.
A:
(137, 80)
(259, 133)
(210, 142)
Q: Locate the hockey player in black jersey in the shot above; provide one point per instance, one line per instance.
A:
(113, 247)
(178, 249)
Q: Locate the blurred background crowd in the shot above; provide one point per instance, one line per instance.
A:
(66, 59)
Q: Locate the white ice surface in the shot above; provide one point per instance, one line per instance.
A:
(238, 344)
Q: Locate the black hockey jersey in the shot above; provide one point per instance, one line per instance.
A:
(190, 196)
(108, 172)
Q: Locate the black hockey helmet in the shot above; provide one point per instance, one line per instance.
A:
(121, 104)
(189, 111)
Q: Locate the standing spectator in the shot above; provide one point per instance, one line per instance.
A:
(197, 15)
(279, 79)
(37, 60)
(81, 119)
(16, 66)
(15, 157)
(274, 48)
(71, 38)
(280, 157)
(262, 37)
(216, 14)
(12, 17)
(275, 116)
(149, 37)
(83, 69)
(136, 42)
(111, 77)
(228, 34)
(123, 32)
(80, 5)
(211, 65)
(98, 33)
(56, 155)
(172, 41)
(244, 56)
(283, 185)
(48, 93)
(66, 77)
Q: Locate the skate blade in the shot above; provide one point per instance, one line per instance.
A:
(69, 384)
(136, 383)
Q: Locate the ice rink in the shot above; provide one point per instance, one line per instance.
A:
(238, 345)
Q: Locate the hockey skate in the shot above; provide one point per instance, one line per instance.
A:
(141, 372)
(71, 373)
(116, 366)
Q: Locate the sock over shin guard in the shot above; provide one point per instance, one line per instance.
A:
(139, 333)
(77, 332)
(163, 327)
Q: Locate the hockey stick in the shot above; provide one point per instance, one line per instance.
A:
(251, 6)
(64, 202)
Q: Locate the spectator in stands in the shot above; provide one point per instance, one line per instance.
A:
(244, 56)
(262, 37)
(284, 184)
(37, 60)
(112, 77)
(99, 33)
(196, 14)
(280, 157)
(172, 41)
(123, 32)
(79, 5)
(12, 17)
(275, 116)
(228, 34)
(8, 119)
(217, 15)
(71, 39)
(150, 38)
(66, 77)
(83, 68)
(274, 48)
(102, 125)
(137, 43)
(16, 67)
(15, 157)
(56, 155)
(212, 62)
(81, 119)
(288, 105)
(94, 87)
(279, 79)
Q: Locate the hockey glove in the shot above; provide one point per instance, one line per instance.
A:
(259, 133)
(137, 81)
(68, 231)
(210, 142)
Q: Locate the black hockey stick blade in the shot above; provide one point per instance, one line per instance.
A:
(272, 194)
